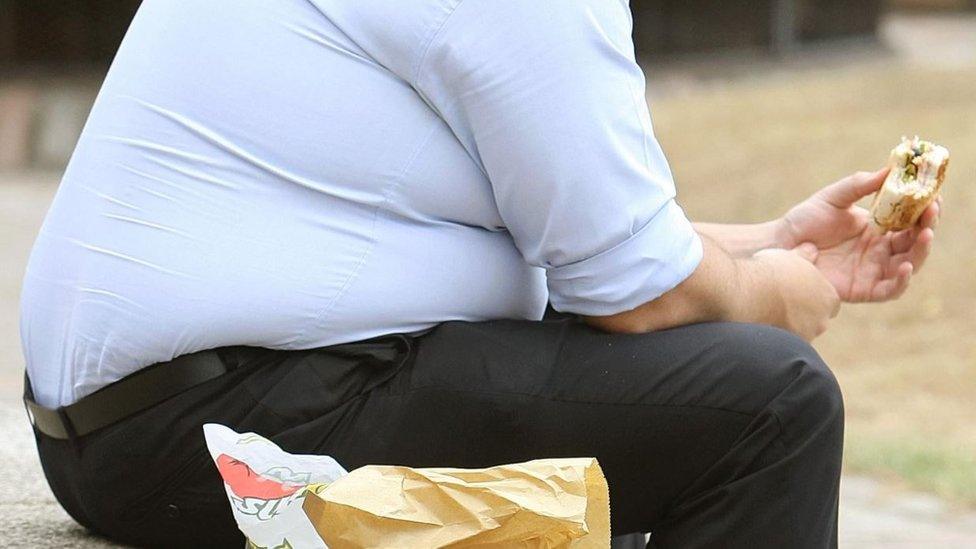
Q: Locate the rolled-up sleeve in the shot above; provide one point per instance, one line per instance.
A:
(548, 100)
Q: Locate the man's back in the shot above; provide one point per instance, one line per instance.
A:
(251, 175)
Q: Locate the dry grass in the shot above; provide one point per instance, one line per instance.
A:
(745, 151)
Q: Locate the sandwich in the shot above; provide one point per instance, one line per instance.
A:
(918, 169)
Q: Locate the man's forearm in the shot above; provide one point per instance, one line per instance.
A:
(745, 239)
(751, 291)
(723, 288)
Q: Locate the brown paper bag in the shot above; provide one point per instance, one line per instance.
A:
(542, 503)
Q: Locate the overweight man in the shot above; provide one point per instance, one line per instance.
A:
(339, 224)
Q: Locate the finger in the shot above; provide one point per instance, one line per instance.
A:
(808, 251)
(902, 241)
(862, 214)
(921, 249)
(893, 288)
(917, 254)
(930, 217)
(913, 245)
(862, 217)
(852, 188)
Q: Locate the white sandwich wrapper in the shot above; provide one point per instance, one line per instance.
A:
(266, 487)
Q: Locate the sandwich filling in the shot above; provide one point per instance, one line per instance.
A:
(917, 165)
(917, 173)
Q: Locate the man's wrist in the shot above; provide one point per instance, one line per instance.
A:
(782, 233)
(759, 293)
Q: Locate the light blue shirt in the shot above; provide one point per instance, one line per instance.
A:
(298, 173)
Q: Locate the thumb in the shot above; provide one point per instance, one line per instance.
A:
(852, 188)
(807, 251)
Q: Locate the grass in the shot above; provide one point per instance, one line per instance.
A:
(917, 463)
(746, 149)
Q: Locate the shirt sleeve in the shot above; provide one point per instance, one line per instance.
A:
(548, 100)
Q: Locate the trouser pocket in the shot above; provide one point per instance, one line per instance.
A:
(307, 385)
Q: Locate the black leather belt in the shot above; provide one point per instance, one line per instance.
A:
(125, 397)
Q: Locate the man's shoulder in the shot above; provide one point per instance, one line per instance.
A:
(396, 34)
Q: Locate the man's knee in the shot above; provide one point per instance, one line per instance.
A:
(791, 372)
(810, 403)
(820, 387)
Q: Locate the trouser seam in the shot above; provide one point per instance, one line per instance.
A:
(794, 529)
(564, 400)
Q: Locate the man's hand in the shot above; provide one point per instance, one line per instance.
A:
(809, 299)
(861, 264)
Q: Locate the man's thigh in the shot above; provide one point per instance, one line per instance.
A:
(658, 410)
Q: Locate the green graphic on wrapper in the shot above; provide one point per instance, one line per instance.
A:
(284, 545)
(248, 439)
(286, 475)
(317, 488)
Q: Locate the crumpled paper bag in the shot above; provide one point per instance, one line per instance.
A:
(266, 486)
(286, 501)
(542, 503)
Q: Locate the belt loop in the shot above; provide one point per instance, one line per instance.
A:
(28, 395)
(230, 357)
(69, 429)
(406, 347)
(30, 415)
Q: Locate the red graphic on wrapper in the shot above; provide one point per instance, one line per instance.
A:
(245, 483)
(253, 494)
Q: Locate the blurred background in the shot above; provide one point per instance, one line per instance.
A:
(757, 103)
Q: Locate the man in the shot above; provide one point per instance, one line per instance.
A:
(344, 221)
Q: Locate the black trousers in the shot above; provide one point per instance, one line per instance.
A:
(712, 435)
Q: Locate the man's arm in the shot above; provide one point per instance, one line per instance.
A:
(548, 99)
(777, 287)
